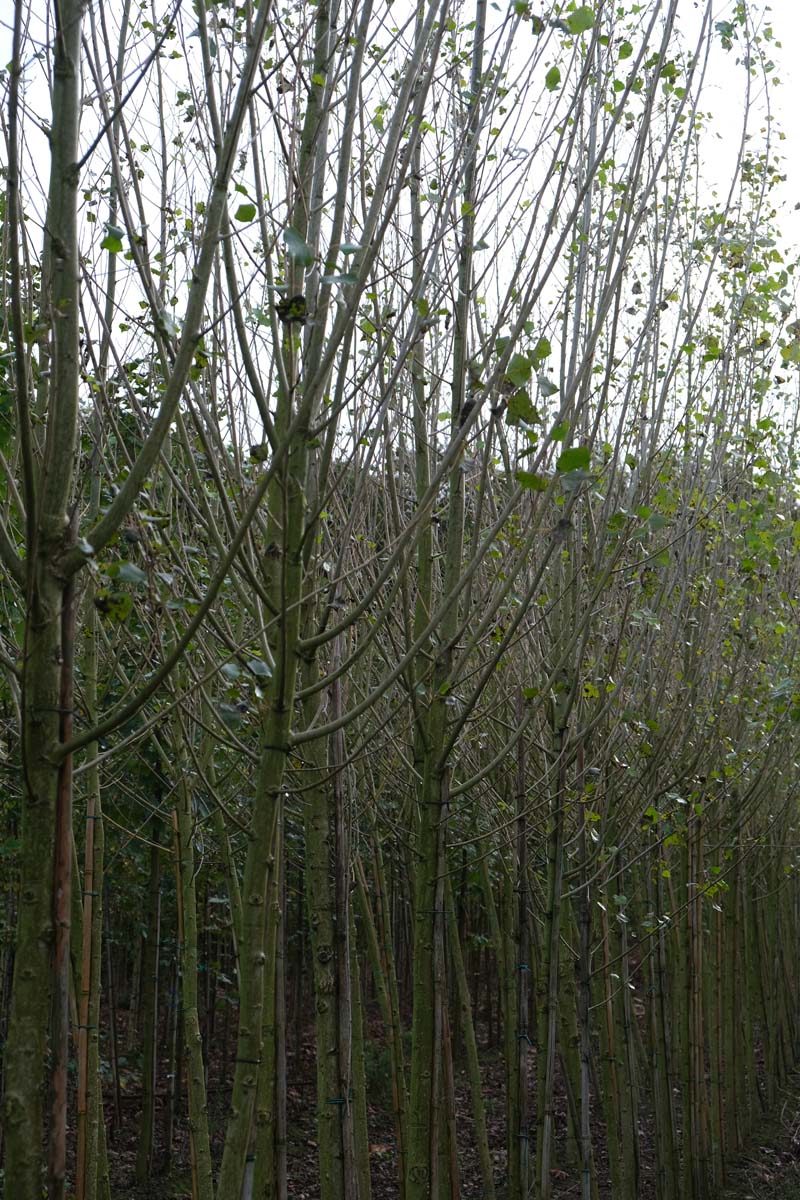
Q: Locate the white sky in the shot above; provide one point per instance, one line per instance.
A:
(726, 89)
(722, 97)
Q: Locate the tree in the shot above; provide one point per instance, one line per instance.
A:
(388, 501)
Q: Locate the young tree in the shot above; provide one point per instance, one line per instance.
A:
(391, 492)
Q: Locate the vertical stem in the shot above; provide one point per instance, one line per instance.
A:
(668, 1180)
(264, 1171)
(144, 1155)
(198, 1108)
(62, 900)
(381, 956)
(112, 1024)
(360, 1118)
(43, 935)
(342, 876)
(550, 958)
(522, 970)
(471, 1045)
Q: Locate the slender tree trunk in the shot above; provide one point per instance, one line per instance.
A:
(473, 1058)
(521, 979)
(381, 959)
(668, 1178)
(320, 893)
(198, 1106)
(43, 928)
(265, 1169)
(429, 992)
(150, 996)
(548, 1026)
(360, 1111)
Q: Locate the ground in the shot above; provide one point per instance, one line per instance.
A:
(769, 1169)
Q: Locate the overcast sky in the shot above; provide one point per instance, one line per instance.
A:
(723, 95)
(726, 89)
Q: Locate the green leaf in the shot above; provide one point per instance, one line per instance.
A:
(520, 408)
(531, 481)
(577, 458)
(259, 668)
(656, 521)
(167, 323)
(297, 248)
(519, 370)
(245, 212)
(581, 20)
(552, 79)
(560, 431)
(116, 606)
(713, 348)
(230, 715)
(130, 573)
(625, 50)
(546, 386)
(541, 351)
(783, 689)
(180, 604)
(571, 480)
(111, 243)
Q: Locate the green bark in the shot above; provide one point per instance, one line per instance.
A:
(26, 1050)
(320, 853)
(198, 1106)
(661, 1071)
(380, 952)
(150, 989)
(283, 575)
(429, 993)
(360, 1115)
(471, 1046)
(265, 1169)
